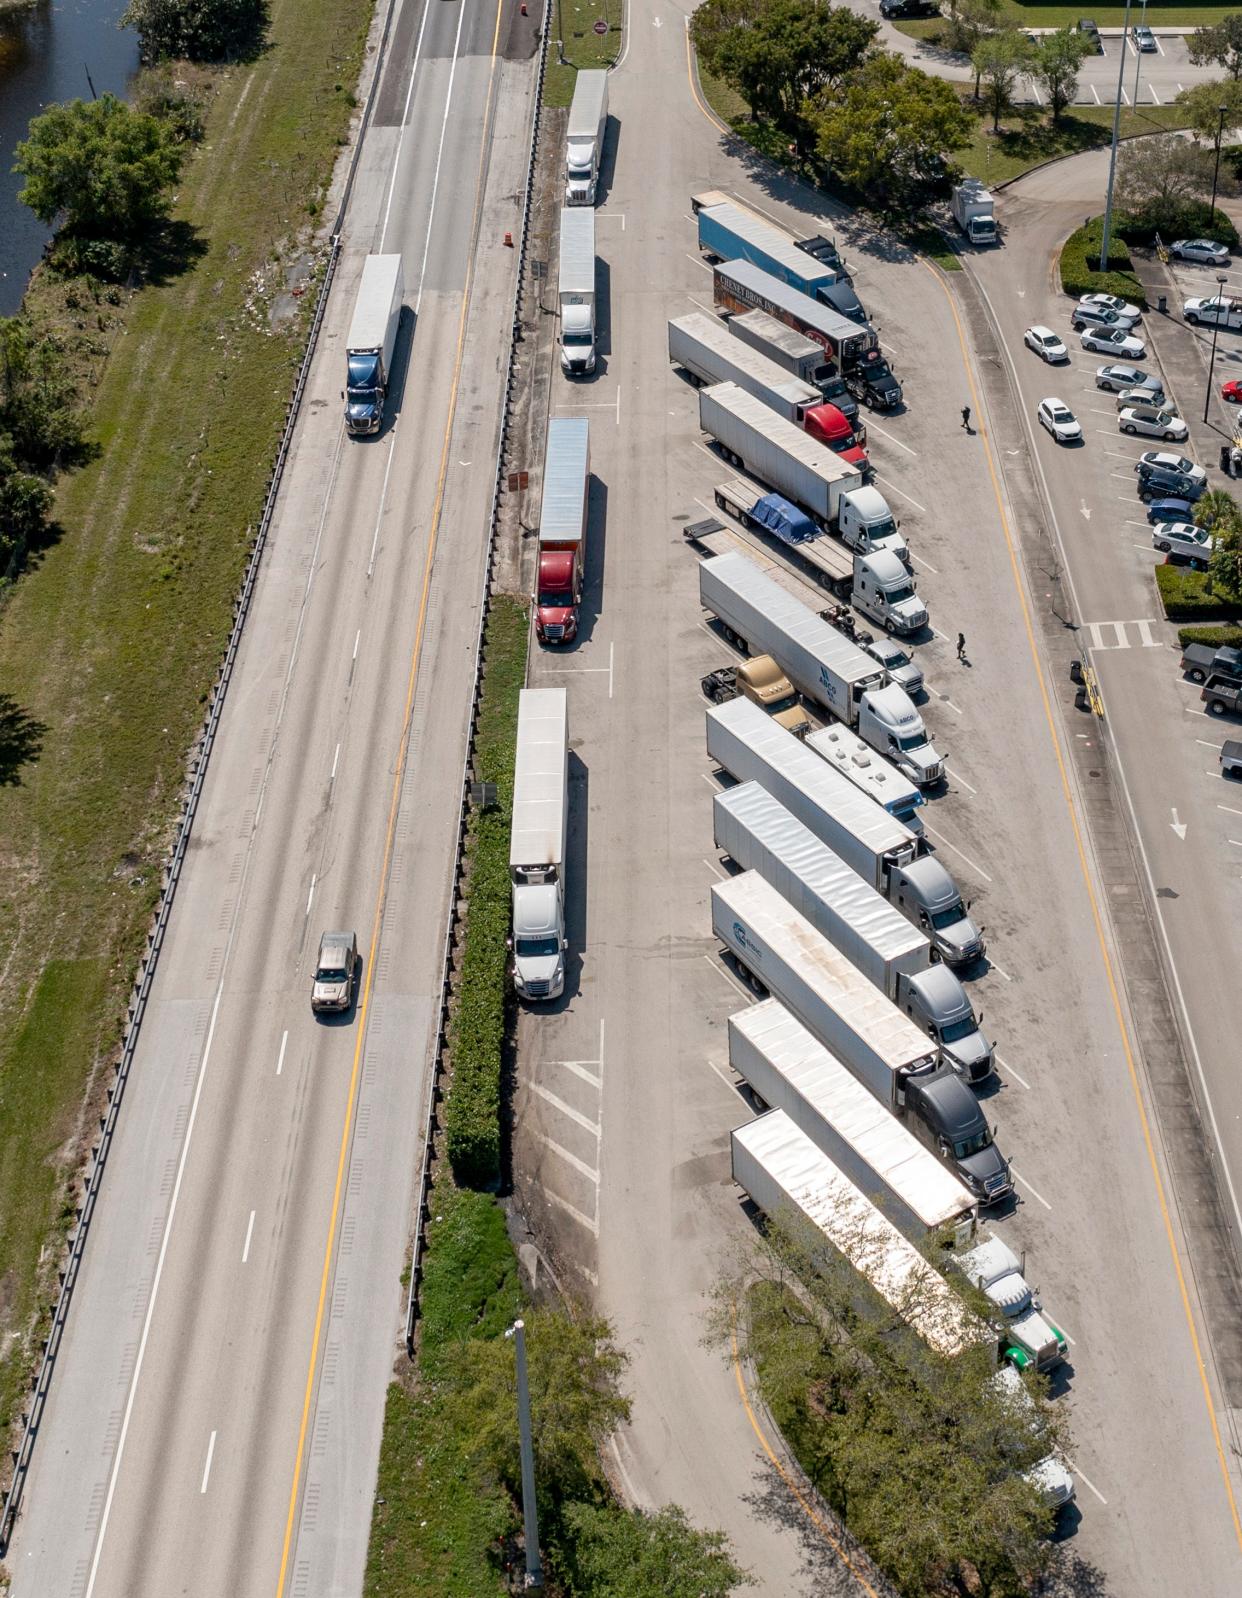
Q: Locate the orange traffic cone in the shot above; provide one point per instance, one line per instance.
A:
(509, 241)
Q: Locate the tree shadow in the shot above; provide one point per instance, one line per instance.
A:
(21, 740)
(169, 251)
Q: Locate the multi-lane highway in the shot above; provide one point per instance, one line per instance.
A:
(214, 1421)
(627, 1093)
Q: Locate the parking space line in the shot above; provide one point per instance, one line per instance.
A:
(1086, 1483)
(1008, 1069)
(957, 777)
(720, 875)
(570, 1159)
(568, 1110)
(1155, 98)
(874, 427)
(564, 1204)
(731, 1085)
(1000, 969)
(923, 562)
(1230, 809)
(1029, 1188)
(723, 971)
(927, 827)
(902, 492)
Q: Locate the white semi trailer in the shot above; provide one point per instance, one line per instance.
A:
(538, 842)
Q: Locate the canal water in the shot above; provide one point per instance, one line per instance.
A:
(50, 52)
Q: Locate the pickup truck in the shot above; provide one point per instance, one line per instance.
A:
(1201, 661)
(762, 681)
(1222, 696)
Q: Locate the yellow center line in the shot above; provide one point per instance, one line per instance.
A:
(364, 1003)
(1096, 916)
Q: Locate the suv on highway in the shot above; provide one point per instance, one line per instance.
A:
(336, 971)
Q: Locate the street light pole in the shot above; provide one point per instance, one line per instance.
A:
(1112, 155)
(534, 1571)
(1207, 398)
(1220, 133)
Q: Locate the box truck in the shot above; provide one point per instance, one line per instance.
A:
(537, 843)
(738, 287)
(884, 852)
(972, 211)
(801, 356)
(702, 346)
(563, 528)
(584, 137)
(576, 292)
(789, 1178)
(372, 341)
(790, 1070)
(730, 233)
(757, 832)
(759, 616)
(883, 1048)
(841, 747)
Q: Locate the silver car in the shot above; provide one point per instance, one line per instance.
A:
(1117, 377)
(897, 663)
(1206, 251)
(336, 972)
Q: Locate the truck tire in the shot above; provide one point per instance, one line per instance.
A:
(1217, 707)
(1195, 674)
(1193, 318)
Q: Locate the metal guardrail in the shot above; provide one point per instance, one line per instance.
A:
(136, 1009)
(431, 1123)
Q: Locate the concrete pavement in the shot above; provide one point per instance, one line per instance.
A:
(215, 1418)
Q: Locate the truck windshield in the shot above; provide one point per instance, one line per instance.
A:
(533, 948)
(957, 1030)
(555, 599)
(363, 374)
(950, 917)
(576, 340)
(912, 740)
(896, 595)
(827, 382)
(965, 1147)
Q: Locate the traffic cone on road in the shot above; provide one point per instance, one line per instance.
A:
(508, 241)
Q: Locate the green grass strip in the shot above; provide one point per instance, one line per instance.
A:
(573, 22)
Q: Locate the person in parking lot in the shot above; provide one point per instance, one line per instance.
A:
(966, 417)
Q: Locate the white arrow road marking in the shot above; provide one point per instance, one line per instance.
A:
(1179, 827)
(1086, 509)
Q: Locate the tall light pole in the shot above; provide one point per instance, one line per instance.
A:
(534, 1570)
(1207, 398)
(1223, 111)
(1138, 56)
(1112, 155)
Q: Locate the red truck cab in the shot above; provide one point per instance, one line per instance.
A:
(558, 593)
(830, 426)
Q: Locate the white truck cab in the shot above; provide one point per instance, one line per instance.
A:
(1029, 1338)
(885, 591)
(865, 523)
(889, 722)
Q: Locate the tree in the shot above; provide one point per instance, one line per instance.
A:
(198, 30)
(1159, 178)
(968, 21)
(1220, 513)
(1219, 45)
(776, 53)
(99, 169)
(618, 1553)
(1000, 60)
(888, 131)
(1202, 105)
(25, 505)
(1055, 64)
(574, 1371)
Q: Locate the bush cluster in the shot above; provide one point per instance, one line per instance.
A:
(1190, 596)
(1080, 264)
(1217, 636)
(1195, 219)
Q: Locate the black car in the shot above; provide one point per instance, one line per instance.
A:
(1091, 34)
(1158, 482)
(909, 8)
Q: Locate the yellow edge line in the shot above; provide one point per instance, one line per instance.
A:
(1097, 918)
(388, 839)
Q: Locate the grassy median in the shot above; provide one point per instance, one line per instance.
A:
(112, 641)
(573, 22)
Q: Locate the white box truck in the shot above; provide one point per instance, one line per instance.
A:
(372, 341)
(702, 345)
(789, 1178)
(883, 1048)
(973, 213)
(790, 1070)
(584, 137)
(758, 616)
(841, 747)
(757, 832)
(537, 843)
(576, 292)
(883, 851)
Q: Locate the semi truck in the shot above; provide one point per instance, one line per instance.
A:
(864, 523)
(762, 681)
(729, 232)
(576, 292)
(790, 960)
(739, 287)
(371, 344)
(799, 355)
(563, 528)
(884, 852)
(537, 843)
(584, 137)
(759, 616)
(972, 211)
(1029, 1338)
(870, 773)
(702, 346)
(787, 1176)
(757, 832)
(789, 1070)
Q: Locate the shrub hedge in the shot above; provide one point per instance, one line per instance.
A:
(1188, 596)
(1216, 636)
(1080, 261)
(1196, 220)
(477, 1026)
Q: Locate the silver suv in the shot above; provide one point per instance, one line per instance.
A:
(336, 971)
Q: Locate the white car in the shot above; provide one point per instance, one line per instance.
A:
(1110, 302)
(1165, 460)
(1224, 312)
(1185, 540)
(1113, 341)
(1056, 416)
(1205, 251)
(1151, 396)
(1153, 423)
(1049, 346)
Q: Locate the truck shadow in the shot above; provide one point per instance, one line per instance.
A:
(577, 854)
(592, 604)
(608, 160)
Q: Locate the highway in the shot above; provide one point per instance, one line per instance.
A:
(214, 1422)
(626, 1095)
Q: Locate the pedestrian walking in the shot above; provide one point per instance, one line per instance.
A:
(966, 417)
(961, 646)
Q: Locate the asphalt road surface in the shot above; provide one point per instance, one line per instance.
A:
(215, 1417)
(627, 1097)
